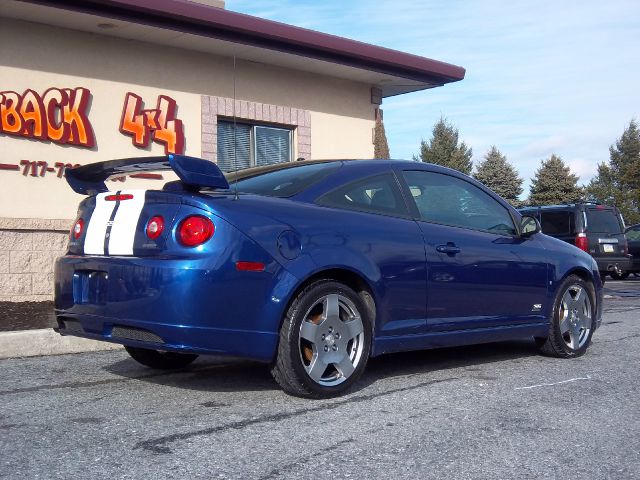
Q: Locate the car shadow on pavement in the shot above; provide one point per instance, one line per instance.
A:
(470, 357)
(218, 374)
(207, 373)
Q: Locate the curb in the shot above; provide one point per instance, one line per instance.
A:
(34, 343)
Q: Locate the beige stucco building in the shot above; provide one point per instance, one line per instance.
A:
(86, 81)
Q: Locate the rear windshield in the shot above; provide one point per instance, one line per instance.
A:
(603, 221)
(286, 182)
(556, 223)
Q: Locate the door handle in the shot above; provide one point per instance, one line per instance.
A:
(450, 248)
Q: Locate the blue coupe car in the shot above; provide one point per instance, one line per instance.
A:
(314, 267)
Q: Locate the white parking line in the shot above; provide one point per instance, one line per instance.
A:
(553, 384)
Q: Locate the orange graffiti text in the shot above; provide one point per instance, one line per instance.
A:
(59, 115)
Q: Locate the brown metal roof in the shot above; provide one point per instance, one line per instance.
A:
(204, 20)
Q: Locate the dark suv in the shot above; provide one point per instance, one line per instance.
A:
(596, 229)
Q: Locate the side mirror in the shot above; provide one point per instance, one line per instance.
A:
(529, 226)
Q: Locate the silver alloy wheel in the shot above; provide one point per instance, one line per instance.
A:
(331, 340)
(574, 314)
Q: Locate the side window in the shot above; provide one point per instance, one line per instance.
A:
(556, 223)
(378, 194)
(452, 201)
(634, 234)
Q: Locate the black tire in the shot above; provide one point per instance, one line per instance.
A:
(160, 360)
(334, 337)
(579, 317)
(621, 276)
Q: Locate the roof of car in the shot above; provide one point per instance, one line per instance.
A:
(352, 162)
(567, 206)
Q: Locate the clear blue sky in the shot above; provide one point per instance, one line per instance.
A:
(543, 77)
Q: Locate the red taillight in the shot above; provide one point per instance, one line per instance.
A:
(77, 229)
(118, 198)
(582, 242)
(195, 230)
(155, 226)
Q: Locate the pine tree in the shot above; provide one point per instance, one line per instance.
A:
(500, 176)
(618, 182)
(625, 158)
(380, 144)
(443, 148)
(554, 183)
(603, 187)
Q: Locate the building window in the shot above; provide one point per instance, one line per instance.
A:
(254, 145)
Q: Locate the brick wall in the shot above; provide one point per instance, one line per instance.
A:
(28, 249)
(212, 107)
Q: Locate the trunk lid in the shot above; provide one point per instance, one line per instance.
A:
(115, 223)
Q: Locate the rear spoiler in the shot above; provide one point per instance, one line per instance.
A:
(193, 172)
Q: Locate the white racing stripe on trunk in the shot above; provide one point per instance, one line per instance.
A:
(123, 231)
(94, 239)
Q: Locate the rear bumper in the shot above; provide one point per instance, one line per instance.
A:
(177, 338)
(185, 305)
(607, 264)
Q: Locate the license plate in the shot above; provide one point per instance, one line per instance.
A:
(607, 248)
(89, 287)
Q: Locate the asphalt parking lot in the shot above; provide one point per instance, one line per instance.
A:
(490, 411)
